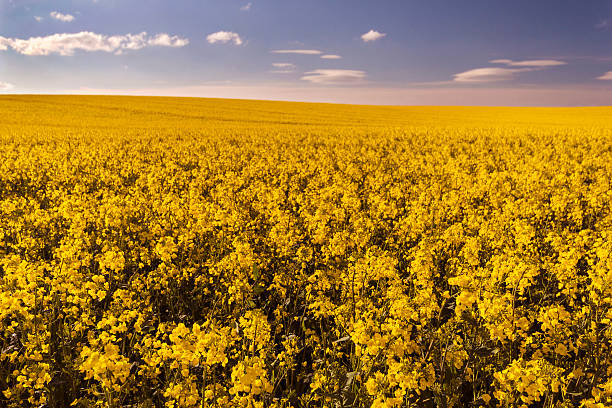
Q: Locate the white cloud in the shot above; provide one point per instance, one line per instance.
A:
(488, 74)
(334, 76)
(38, 18)
(67, 44)
(372, 35)
(66, 18)
(223, 37)
(246, 7)
(607, 76)
(304, 52)
(330, 56)
(4, 86)
(165, 40)
(529, 63)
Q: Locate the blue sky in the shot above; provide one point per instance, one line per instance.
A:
(472, 52)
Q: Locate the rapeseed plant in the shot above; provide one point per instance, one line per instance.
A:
(210, 253)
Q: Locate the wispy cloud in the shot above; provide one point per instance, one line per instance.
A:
(304, 52)
(285, 65)
(604, 24)
(39, 18)
(66, 18)
(607, 76)
(246, 7)
(488, 74)
(330, 56)
(334, 76)
(67, 44)
(224, 37)
(4, 86)
(494, 74)
(283, 68)
(372, 35)
(529, 63)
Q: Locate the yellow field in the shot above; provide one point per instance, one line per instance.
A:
(198, 252)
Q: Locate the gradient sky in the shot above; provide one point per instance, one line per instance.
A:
(472, 52)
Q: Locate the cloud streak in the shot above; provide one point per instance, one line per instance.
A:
(494, 74)
(67, 44)
(488, 74)
(224, 37)
(372, 35)
(331, 56)
(4, 86)
(285, 65)
(65, 18)
(334, 76)
(529, 63)
(283, 68)
(302, 52)
(606, 77)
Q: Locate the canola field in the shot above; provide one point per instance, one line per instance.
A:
(175, 252)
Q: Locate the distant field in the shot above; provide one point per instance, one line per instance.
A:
(185, 252)
(162, 112)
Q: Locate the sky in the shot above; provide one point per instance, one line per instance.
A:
(391, 52)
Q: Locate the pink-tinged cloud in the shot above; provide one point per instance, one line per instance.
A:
(331, 56)
(529, 63)
(488, 74)
(606, 77)
(334, 76)
(302, 52)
